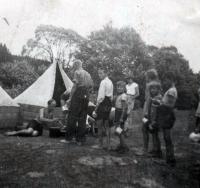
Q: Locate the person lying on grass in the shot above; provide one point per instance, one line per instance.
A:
(35, 126)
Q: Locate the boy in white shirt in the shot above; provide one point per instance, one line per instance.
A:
(103, 106)
(132, 91)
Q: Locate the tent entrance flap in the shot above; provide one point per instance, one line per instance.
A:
(59, 87)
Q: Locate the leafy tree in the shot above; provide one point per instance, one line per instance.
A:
(168, 59)
(52, 43)
(122, 51)
(5, 54)
(17, 76)
(39, 65)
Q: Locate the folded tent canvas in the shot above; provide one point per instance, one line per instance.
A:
(9, 110)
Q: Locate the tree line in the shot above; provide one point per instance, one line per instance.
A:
(122, 51)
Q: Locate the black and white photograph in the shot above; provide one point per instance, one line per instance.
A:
(99, 94)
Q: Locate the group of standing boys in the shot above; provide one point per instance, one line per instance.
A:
(123, 103)
(158, 111)
(78, 106)
(159, 114)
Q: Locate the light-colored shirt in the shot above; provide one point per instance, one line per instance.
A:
(147, 94)
(120, 99)
(82, 78)
(170, 97)
(105, 90)
(131, 88)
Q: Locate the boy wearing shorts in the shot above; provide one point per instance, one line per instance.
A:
(166, 117)
(121, 116)
(103, 107)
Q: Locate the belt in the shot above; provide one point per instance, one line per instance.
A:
(130, 95)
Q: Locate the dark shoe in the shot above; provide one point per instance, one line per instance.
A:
(79, 143)
(127, 133)
(123, 150)
(104, 134)
(107, 148)
(157, 154)
(118, 148)
(171, 162)
(151, 152)
(145, 152)
(82, 140)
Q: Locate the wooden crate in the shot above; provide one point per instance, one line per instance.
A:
(9, 116)
(29, 112)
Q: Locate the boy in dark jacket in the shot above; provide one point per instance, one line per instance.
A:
(166, 117)
(153, 104)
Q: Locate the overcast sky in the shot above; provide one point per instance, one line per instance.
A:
(159, 22)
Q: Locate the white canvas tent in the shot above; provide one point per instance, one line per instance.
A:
(53, 81)
(9, 110)
(51, 84)
(5, 99)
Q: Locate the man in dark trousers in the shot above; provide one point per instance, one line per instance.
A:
(166, 117)
(78, 104)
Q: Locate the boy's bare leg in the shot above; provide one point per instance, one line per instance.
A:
(11, 133)
(107, 134)
(129, 120)
(27, 132)
(122, 140)
(169, 146)
(145, 138)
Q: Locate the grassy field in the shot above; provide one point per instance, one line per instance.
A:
(45, 162)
